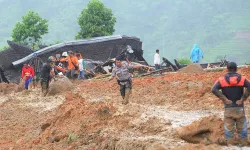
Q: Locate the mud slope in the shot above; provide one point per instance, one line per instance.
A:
(92, 117)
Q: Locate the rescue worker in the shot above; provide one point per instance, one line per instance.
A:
(47, 74)
(122, 72)
(233, 97)
(72, 64)
(64, 55)
(37, 64)
(196, 53)
(27, 75)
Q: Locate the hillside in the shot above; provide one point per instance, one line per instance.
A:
(219, 28)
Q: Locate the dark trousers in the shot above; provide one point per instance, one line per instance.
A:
(45, 87)
(125, 90)
(235, 118)
(157, 67)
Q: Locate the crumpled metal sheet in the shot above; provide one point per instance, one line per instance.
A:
(69, 43)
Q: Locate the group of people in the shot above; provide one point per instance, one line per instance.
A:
(229, 88)
(69, 64)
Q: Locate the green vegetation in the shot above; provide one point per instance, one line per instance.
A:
(219, 27)
(184, 61)
(57, 42)
(4, 48)
(72, 137)
(96, 20)
(30, 30)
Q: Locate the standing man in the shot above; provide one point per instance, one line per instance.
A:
(82, 67)
(233, 97)
(27, 75)
(47, 74)
(122, 73)
(72, 64)
(157, 60)
(196, 54)
(37, 64)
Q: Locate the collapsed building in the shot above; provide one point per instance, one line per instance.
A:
(97, 49)
(14, 52)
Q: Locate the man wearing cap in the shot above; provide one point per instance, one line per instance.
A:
(233, 96)
(122, 72)
(47, 74)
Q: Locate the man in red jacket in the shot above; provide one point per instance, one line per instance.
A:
(27, 75)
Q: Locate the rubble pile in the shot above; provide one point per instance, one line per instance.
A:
(192, 68)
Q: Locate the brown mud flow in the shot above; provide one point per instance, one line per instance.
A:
(165, 112)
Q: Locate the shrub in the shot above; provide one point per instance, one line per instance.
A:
(184, 61)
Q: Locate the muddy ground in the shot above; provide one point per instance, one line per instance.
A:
(91, 116)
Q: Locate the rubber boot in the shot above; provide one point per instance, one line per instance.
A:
(126, 98)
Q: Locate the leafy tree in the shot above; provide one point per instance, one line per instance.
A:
(96, 20)
(184, 61)
(56, 42)
(30, 30)
(4, 48)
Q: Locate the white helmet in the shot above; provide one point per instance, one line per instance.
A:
(65, 54)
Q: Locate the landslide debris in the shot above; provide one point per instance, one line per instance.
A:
(192, 68)
(60, 85)
(208, 130)
(6, 88)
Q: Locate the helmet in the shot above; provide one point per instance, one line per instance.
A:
(65, 54)
(232, 66)
(51, 59)
(34, 54)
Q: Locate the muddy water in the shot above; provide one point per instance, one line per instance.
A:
(177, 118)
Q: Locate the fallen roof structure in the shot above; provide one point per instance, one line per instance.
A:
(98, 49)
(13, 53)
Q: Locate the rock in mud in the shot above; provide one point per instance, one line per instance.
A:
(60, 86)
(45, 126)
(207, 130)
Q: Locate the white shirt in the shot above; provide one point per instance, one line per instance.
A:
(157, 59)
(80, 64)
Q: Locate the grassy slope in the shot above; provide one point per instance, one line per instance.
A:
(173, 26)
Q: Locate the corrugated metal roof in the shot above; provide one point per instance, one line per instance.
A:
(71, 43)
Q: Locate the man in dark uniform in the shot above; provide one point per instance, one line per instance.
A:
(233, 96)
(37, 64)
(47, 74)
